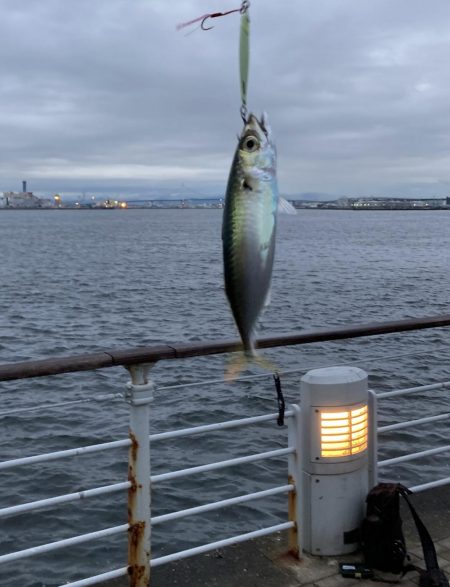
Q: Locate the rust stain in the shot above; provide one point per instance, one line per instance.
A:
(292, 517)
(288, 559)
(134, 447)
(132, 495)
(136, 571)
(132, 477)
(294, 553)
(135, 536)
(138, 575)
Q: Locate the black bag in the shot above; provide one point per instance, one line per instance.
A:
(382, 539)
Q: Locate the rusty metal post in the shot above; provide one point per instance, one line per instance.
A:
(295, 500)
(139, 393)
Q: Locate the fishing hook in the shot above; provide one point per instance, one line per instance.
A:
(202, 24)
(243, 9)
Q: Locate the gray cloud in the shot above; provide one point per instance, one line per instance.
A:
(106, 95)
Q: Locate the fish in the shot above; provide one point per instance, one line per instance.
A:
(249, 228)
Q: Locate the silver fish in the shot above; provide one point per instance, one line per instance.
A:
(249, 227)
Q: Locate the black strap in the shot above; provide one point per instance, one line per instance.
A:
(429, 551)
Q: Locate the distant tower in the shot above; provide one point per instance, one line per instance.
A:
(24, 187)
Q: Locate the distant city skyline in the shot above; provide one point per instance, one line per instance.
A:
(168, 193)
(106, 199)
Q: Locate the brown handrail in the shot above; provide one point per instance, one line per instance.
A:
(152, 354)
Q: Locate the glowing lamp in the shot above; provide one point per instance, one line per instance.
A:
(335, 426)
(343, 433)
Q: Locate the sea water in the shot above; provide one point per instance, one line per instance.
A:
(75, 281)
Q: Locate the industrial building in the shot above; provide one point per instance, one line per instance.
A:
(23, 199)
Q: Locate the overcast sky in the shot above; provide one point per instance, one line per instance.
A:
(106, 95)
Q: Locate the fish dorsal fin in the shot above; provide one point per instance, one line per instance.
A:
(285, 207)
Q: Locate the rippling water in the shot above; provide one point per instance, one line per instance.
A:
(80, 281)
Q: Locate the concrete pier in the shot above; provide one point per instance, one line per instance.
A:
(265, 563)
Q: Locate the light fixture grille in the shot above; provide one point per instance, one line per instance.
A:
(343, 433)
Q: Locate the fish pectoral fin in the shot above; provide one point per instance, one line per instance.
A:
(285, 207)
(257, 174)
(268, 298)
(250, 182)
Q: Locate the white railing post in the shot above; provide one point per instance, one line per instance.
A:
(139, 393)
(295, 467)
(373, 439)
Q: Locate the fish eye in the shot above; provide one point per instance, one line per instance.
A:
(250, 144)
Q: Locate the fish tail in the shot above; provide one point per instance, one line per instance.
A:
(240, 361)
(235, 366)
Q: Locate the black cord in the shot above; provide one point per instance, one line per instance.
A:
(280, 400)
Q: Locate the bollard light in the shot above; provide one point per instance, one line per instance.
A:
(334, 429)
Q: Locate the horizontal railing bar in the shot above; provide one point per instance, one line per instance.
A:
(412, 423)
(152, 354)
(156, 562)
(221, 465)
(52, 456)
(51, 406)
(430, 485)
(218, 426)
(202, 382)
(62, 499)
(98, 578)
(222, 504)
(413, 456)
(51, 546)
(423, 388)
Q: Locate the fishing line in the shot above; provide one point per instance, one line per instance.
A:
(244, 46)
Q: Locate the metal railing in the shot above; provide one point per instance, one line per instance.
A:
(139, 395)
(153, 354)
(145, 480)
(413, 424)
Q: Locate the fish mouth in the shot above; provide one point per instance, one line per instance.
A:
(260, 125)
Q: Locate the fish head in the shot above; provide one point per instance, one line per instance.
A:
(256, 147)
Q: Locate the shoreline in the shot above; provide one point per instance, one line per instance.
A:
(156, 208)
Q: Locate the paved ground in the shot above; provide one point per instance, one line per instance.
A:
(264, 562)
